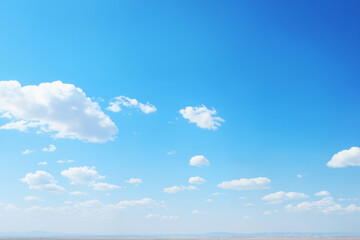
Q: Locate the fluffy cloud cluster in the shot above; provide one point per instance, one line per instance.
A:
(86, 175)
(176, 189)
(62, 109)
(51, 148)
(134, 181)
(196, 180)
(325, 205)
(89, 207)
(246, 184)
(130, 103)
(199, 161)
(202, 117)
(281, 196)
(42, 181)
(345, 158)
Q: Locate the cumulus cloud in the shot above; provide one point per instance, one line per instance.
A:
(199, 161)
(196, 180)
(322, 193)
(281, 196)
(176, 189)
(51, 148)
(246, 184)
(117, 102)
(105, 186)
(345, 158)
(57, 108)
(134, 181)
(86, 175)
(82, 175)
(27, 151)
(42, 163)
(202, 117)
(325, 205)
(32, 198)
(42, 181)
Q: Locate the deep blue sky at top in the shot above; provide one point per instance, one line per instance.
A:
(283, 74)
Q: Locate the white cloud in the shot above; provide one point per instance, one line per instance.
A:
(322, 193)
(135, 181)
(59, 108)
(299, 176)
(171, 153)
(246, 184)
(176, 189)
(42, 181)
(116, 102)
(51, 148)
(281, 196)
(196, 180)
(77, 193)
(352, 208)
(218, 194)
(82, 175)
(32, 198)
(65, 161)
(105, 186)
(199, 161)
(202, 117)
(345, 158)
(209, 200)
(325, 205)
(27, 151)
(247, 217)
(42, 163)
(198, 212)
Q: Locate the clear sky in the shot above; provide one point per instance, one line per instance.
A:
(143, 117)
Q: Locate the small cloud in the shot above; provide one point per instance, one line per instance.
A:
(42, 181)
(196, 180)
(247, 217)
(322, 193)
(209, 200)
(199, 161)
(198, 212)
(218, 194)
(176, 189)
(77, 193)
(51, 148)
(64, 161)
(246, 184)
(281, 196)
(241, 198)
(42, 163)
(171, 153)
(299, 176)
(33, 198)
(117, 102)
(105, 186)
(202, 117)
(27, 151)
(134, 181)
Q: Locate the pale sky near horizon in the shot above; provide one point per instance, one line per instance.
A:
(170, 117)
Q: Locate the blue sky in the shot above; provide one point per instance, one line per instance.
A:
(266, 91)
